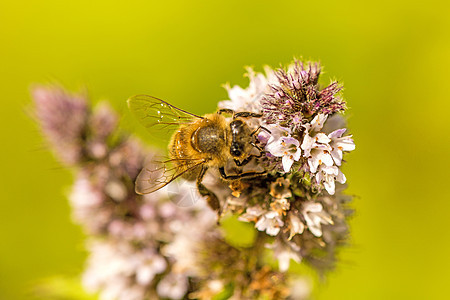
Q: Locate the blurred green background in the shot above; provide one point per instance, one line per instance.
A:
(392, 56)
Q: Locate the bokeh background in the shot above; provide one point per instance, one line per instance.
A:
(392, 56)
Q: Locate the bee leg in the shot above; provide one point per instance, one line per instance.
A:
(250, 157)
(246, 175)
(256, 131)
(244, 162)
(246, 114)
(261, 150)
(211, 198)
(259, 129)
(225, 111)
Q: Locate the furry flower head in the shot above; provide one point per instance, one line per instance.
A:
(297, 95)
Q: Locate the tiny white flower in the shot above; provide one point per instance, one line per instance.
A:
(285, 257)
(317, 122)
(277, 131)
(173, 286)
(252, 214)
(248, 99)
(85, 195)
(328, 175)
(307, 144)
(300, 288)
(318, 141)
(279, 189)
(281, 144)
(315, 144)
(315, 216)
(215, 285)
(339, 144)
(284, 252)
(270, 222)
(280, 206)
(147, 271)
(319, 157)
(296, 226)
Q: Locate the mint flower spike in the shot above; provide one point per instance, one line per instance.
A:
(63, 118)
(145, 247)
(303, 149)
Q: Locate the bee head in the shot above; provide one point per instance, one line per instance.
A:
(239, 133)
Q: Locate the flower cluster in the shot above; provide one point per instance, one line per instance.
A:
(145, 247)
(302, 143)
(296, 95)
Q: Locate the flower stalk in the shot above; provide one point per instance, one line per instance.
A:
(147, 247)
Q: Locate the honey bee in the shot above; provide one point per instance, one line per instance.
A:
(199, 143)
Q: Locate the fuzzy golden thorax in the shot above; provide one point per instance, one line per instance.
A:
(205, 140)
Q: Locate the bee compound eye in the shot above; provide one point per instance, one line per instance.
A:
(235, 151)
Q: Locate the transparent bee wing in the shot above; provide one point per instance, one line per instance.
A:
(156, 174)
(183, 193)
(152, 111)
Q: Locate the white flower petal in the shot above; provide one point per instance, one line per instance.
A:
(337, 133)
(144, 275)
(329, 185)
(330, 170)
(314, 217)
(273, 231)
(270, 222)
(346, 143)
(319, 177)
(275, 148)
(341, 177)
(290, 141)
(297, 226)
(322, 138)
(287, 163)
(313, 163)
(313, 207)
(307, 144)
(317, 122)
(323, 147)
(284, 261)
(337, 156)
(271, 214)
(237, 93)
(297, 154)
(326, 159)
(172, 286)
(264, 137)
